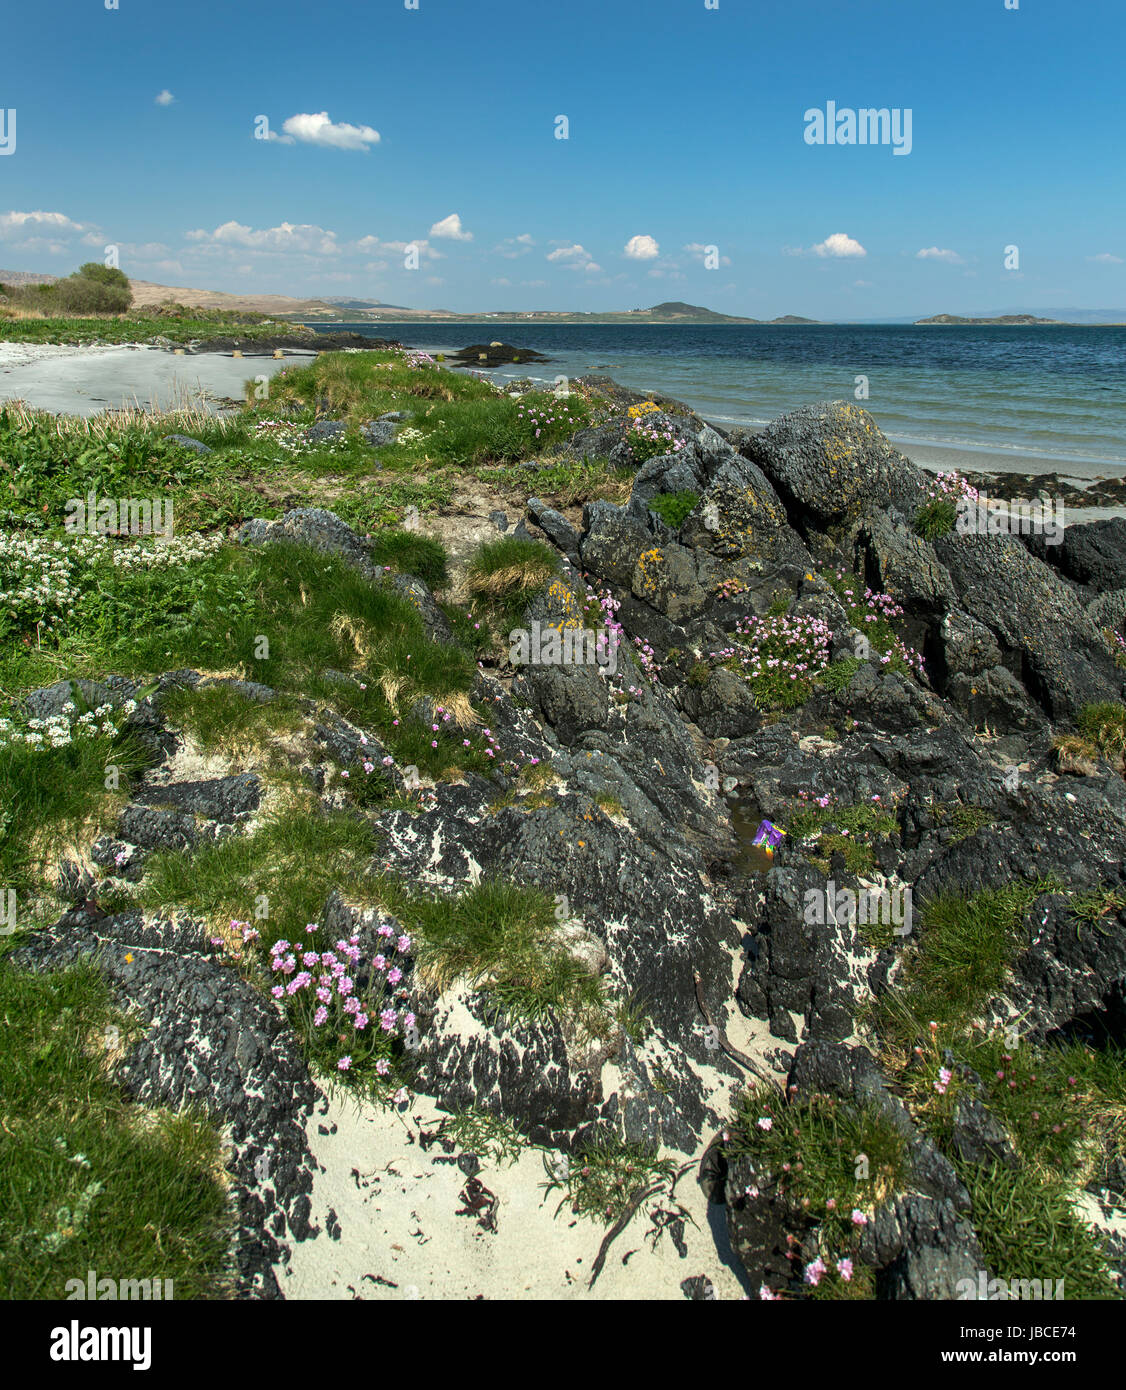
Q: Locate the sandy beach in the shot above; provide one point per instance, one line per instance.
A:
(86, 380)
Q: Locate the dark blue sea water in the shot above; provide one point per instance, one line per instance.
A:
(1055, 394)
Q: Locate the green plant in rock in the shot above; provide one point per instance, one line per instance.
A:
(492, 1137)
(504, 575)
(500, 937)
(837, 676)
(1029, 1230)
(957, 962)
(823, 827)
(221, 716)
(674, 507)
(962, 820)
(873, 615)
(411, 553)
(603, 1178)
(1103, 725)
(1098, 907)
(833, 1162)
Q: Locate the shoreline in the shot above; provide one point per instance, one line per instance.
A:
(85, 380)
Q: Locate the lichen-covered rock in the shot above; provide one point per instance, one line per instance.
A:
(830, 463)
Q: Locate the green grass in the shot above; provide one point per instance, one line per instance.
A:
(218, 716)
(504, 574)
(837, 676)
(935, 518)
(501, 937)
(959, 960)
(490, 1137)
(822, 1158)
(1028, 1229)
(962, 820)
(1063, 1105)
(1103, 725)
(463, 421)
(294, 860)
(410, 553)
(602, 1178)
(141, 326)
(849, 829)
(56, 796)
(674, 507)
(565, 480)
(91, 1180)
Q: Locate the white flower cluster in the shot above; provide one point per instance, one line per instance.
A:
(157, 554)
(59, 730)
(37, 577)
(40, 580)
(291, 438)
(409, 435)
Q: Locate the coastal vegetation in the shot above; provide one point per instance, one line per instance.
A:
(288, 744)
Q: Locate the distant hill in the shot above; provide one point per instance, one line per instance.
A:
(365, 304)
(1081, 317)
(794, 318)
(145, 294)
(19, 278)
(671, 311)
(1013, 319)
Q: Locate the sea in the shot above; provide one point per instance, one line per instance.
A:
(1018, 399)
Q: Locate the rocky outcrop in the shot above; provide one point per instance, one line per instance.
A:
(631, 830)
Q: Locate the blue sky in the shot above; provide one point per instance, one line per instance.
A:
(436, 127)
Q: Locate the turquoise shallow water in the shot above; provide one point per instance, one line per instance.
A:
(1050, 394)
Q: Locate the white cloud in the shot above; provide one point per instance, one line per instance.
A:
(839, 244)
(287, 237)
(699, 250)
(164, 98)
(1105, 258)
(935, 253)
(642, 248)
(175, 268)
(39, 244)
(573, 256)
(500, 280)
(863, 284)
(451, 228)
(18, 223)
(513, 246)
(319, 130)
(372, 246)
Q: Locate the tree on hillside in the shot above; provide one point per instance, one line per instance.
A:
(94, 289)
(105, 274)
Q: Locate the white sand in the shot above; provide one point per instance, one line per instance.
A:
(397, 1212)
(86, 380)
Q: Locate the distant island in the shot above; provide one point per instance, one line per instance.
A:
(1016, 319)
(670, 312)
